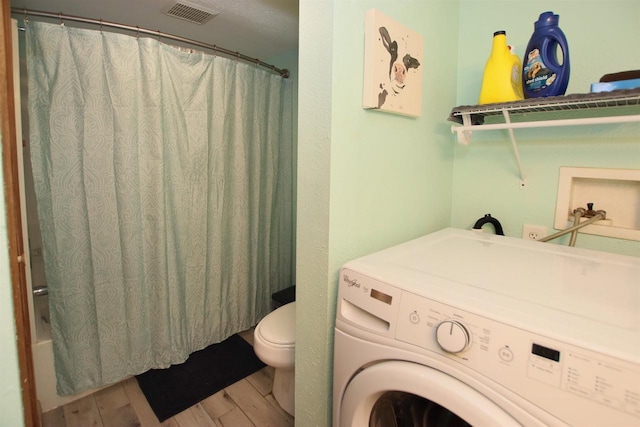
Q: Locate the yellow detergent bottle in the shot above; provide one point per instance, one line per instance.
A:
(502, 81)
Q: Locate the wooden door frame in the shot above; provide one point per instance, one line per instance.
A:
(14, 220)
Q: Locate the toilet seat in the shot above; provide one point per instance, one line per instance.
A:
(274, 337)
(278, 328)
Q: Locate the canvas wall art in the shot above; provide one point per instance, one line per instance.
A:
(392, 66)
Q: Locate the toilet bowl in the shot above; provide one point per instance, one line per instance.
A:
(274, 343)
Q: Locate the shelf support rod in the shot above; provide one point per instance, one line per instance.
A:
(507, 120)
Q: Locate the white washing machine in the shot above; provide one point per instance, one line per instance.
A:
(462, 328)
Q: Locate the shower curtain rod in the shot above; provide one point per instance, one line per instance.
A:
(283, 72)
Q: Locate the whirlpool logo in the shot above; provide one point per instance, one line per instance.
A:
(350, 282)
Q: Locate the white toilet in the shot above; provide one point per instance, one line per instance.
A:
(274, 343)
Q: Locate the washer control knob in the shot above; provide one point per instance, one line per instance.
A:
(452, 336)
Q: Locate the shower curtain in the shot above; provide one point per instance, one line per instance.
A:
(164, 185)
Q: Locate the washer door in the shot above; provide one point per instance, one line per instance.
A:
(402, 393)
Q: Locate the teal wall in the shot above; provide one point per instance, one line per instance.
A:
(10, 395)
(603, 37)
(366, 179)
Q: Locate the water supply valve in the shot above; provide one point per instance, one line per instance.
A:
(589, 212)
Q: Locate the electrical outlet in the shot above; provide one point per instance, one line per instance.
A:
(533, 232)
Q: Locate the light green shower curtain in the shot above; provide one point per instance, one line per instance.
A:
(164, 185)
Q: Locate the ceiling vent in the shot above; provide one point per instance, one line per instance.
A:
(190, 12)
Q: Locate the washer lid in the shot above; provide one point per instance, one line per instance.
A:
(595, 285)
(579, 296)
(279, 326)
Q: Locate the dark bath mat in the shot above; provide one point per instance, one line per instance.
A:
(172, 390)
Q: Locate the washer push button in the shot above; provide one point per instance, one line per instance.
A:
(414, 317)
(505, 354)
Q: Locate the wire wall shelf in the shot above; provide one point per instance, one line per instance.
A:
(471, 118)
(592, 101)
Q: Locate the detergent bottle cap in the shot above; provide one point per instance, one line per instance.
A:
(547, 19)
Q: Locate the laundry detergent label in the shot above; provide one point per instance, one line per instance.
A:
(515, 79)
(537, 75)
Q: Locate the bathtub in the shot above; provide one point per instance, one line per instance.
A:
(43, 360)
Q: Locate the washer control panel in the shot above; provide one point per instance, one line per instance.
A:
(565, 380)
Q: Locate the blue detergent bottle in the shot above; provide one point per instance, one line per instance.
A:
(544, 73)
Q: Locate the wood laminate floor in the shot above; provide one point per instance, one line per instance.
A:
(247, 403)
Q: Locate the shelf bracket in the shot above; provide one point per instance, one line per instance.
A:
(464, 135)
(507, 119)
